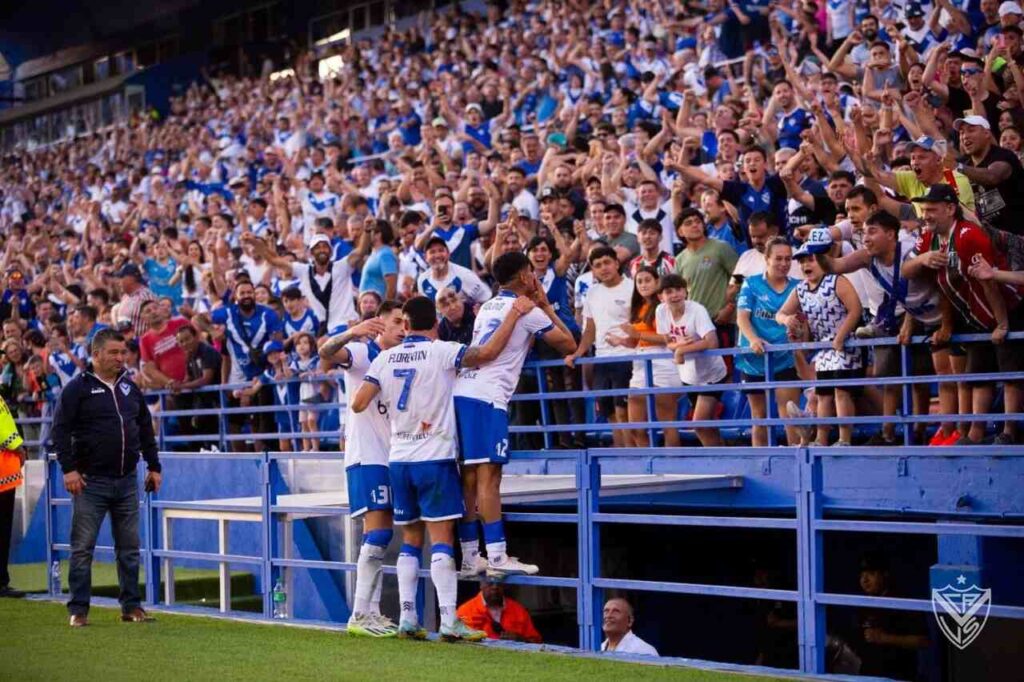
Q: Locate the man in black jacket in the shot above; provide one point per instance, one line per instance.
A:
(100, 428)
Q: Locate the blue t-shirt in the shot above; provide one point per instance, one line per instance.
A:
(772, 198)
(557, 290)
(726, 234)
(381, 263)
(791, 125)
(762, 301)
(159, 277)
(459, 238)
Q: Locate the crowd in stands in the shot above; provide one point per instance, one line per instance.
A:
(683, 177)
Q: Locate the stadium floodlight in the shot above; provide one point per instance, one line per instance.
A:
(330, 66)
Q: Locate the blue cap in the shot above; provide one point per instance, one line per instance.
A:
(130, 270)
(273, 347)
(818, 241)
(914, 9)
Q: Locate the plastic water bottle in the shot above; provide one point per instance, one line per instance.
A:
(55, 578)
(280, 598)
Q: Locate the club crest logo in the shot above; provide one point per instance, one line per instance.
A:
(125, 388)
(961, 611)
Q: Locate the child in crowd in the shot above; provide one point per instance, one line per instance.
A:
(306, 363)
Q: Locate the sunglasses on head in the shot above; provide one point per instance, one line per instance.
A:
(969, 72)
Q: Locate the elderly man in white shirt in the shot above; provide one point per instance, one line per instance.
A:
(617, 626)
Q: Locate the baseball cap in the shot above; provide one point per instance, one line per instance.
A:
(1010, 7)
(547, 192)
(240, 179)
(273, 347)
(439, 121)
(319, 239)
(474, 105)
(939, 193)
(913, 9)
(130, 270)
(929, 144)
(973, 120)
(818, 241)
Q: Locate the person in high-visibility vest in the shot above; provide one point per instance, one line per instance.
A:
(12, 459)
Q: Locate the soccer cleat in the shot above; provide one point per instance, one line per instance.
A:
(407, 630)
(371, 625)
(510, 566)
(941, 438)
(460, 632)
(473, 570)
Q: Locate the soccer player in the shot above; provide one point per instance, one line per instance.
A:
(481, 410)
(414, 381)
(368, 437)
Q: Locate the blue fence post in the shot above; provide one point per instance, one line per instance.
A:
(160, 420)
(908, 400)
(222, 420)
(652, 409)
(269, 527)
(588, 481)
(810, 563)
(769, 398)
(545, 419)
(49, 474)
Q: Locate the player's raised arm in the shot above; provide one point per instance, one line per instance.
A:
(478, 355)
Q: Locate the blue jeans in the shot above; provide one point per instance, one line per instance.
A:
(120, 497)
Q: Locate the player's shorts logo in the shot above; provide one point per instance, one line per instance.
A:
(961, 611)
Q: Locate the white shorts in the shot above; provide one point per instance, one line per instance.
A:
(664, 374)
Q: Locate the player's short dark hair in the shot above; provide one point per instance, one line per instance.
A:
(103, 337)
(421, 313)
(885, 220)
(387, 306)
(508, 265)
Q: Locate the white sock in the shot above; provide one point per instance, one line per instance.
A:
(446, 581)
(375, 598)
(407, 567)
(469, 541)
(368, 577)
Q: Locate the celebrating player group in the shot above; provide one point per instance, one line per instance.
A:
(426, 440)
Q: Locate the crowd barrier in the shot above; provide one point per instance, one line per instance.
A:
(808, 517)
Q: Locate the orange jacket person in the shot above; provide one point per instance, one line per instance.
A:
(499, 616)
(12, 458)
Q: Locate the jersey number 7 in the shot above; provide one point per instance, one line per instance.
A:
(407, 376)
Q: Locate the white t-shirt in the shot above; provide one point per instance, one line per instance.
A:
(462, 280)
(631, 644)
(416, 381)
(697, 369)
(342, 300)
(496, 381)
(367, 433)
(609, 308)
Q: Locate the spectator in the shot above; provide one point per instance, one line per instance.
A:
(614, 224)
(497, 614)
(996, 175)
(457, 318)
(443, 273)
(134, 294)
(299, 317)
(641, 333)
(832, 311)
(306, 365)
(380, 271)
(202, 369)
(651, 255)
(706, 265)
(279, 378)
(605, 310)
(163, 360)
(760, 298)
(617, 623)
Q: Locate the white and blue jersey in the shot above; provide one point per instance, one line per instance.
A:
(242, 334)
(482, 393)
(308, 322)
(480, 133)
(762, 302)
(463, 280)
(459, 238)
(791, 125)
(557, 289)
(286, 393)
(416, 381)
(63, 366)
(367, 438)
(321, 205)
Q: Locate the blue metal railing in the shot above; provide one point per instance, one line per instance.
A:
(807, 520)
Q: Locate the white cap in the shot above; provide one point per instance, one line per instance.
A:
(972, 121)
(1010, 7)
(319, 239)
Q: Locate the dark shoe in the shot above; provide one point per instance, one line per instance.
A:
(880, 440)
(1001, 439)
(79, 620)
(8, 592)
(137, 615)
